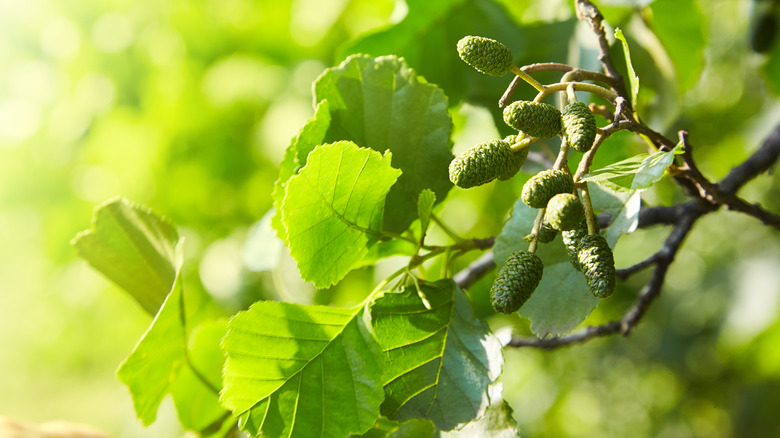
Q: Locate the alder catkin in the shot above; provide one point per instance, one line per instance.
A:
(484, 163)
(579, 126)
(536, 119)
(597, 263)
(564, 212)
(516, 281)
(538, 190)
(486, 55)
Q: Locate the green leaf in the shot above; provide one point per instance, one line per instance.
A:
(428, 34)
(498, 421)
(425, 208)
(635, 173)
(387, 248)
(633, 79)
(440, 360)
(196, 393)
(155, 361)
(562, 300)
(134, 248)
(382, 104)
(295, 156)
(332, 208)
(301, 371)
(681, 27)
(385, 428)
(623, 207)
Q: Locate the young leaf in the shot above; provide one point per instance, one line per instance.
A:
(301, 371)
(332, 208)
(622, 207)
(635, 173)
(425, 208)
(155, 361)
(633, 79)
(562, 300)
(382, 104)
(310, 135)
(134, 248)
(440, 360)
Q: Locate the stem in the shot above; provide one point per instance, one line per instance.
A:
(609, 95)
(535, 231)
(590, 217)
(524, 143)
(526, 77)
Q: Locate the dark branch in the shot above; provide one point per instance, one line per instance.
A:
(473, 272)
(761, 160)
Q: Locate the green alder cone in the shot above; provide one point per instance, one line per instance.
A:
(564, 212)
(536, 119)
(517, 163)
(486, 55)
(516, 281)
(597, 264)
(571, 239)
(484, 163)
(579, 126)
(538, 190)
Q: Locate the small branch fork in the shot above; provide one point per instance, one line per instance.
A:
(706, 195)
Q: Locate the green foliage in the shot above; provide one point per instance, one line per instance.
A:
(516, 281)
(384, 105)
(333, 208)
(440, 359)
(633, 79)
(680, 25)
(540, 188)
(134, 248)
(299, 370)
(636, 173)
(486, 55)
(562, 299)
(536, 119)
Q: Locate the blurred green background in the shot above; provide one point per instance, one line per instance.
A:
(187, 107)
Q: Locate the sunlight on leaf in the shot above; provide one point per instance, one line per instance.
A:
(633, 79)
(425, 208)
(639, 172)
(334, 207)
(382, 104)
(440, 361)
(301, 371)
(134, 248)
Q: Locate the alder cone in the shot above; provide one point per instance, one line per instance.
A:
(484, 163)
(486, 55)
(546, 233)
(564, 212)
(597, 264)
(579, 126)
(536, 119)
(538, 190)
(571, 239)
(516, 281)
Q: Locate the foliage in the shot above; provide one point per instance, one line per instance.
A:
(194, 119)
